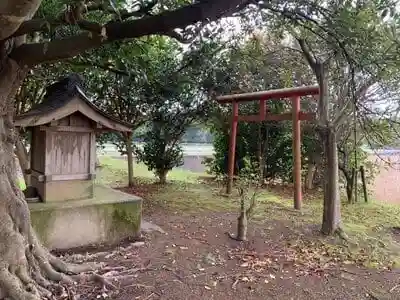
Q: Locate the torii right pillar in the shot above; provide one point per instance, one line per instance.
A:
(296, 152)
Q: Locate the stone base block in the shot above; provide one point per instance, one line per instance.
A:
(109, 217)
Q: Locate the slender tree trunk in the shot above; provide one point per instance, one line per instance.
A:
(364, 183)
(129, 150)
(261, 156)
(349, 188)
(27, 269)
(242, 220)
(310, 175)
(162, 176)
(331, 212)
(350, 180)
(331, 215)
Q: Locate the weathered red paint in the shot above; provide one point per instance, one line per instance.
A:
(232, 146)
(264, 95)
(276, 117)
(296, 116)
(296, 152)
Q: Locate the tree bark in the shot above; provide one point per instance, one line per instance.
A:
(310, 176)
(129, 153)
(23, 157)
(350, 184)
(162, 176)
(314, 159)
(242, 227)
(331, 215)
(241, 234)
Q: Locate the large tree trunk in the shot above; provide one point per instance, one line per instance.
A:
(331, 214)
(27, 269)
(129, 151)
(23, 157)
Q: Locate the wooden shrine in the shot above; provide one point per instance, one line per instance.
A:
(63, 145)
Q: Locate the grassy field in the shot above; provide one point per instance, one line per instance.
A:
(369, 227)
(116, 172)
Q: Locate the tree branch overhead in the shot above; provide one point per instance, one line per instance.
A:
(162, 24)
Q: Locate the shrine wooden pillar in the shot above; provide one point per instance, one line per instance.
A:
(232, 146)
(296, 152)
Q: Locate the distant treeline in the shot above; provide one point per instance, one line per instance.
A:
(196, 134)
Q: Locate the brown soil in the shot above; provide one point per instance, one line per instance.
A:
(197, 260)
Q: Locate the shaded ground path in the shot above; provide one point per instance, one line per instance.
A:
(195, 259)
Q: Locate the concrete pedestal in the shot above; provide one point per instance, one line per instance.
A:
(109, 217)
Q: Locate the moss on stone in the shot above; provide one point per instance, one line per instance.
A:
(109, 221)
(126, 218)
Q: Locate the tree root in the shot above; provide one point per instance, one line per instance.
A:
(235, 238)
(27, 269)
(341, 234)
(93, 277)
(37, 274)
(71, 269)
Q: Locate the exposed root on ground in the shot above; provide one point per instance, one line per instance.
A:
(28, 271)
(341, 234)
(234, 237)
(32, 273)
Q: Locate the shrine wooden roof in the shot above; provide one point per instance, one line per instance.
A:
(65, 98)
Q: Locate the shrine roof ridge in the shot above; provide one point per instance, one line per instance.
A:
(64, 94)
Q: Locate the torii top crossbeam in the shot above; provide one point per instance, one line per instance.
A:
(265, 95)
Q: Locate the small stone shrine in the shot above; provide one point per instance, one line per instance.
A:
(63, 145)
(74, 210)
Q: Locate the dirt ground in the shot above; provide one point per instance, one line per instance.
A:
(196, 259)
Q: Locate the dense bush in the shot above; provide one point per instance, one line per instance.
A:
(160, 154)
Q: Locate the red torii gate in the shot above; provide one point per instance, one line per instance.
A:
(296, 116)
